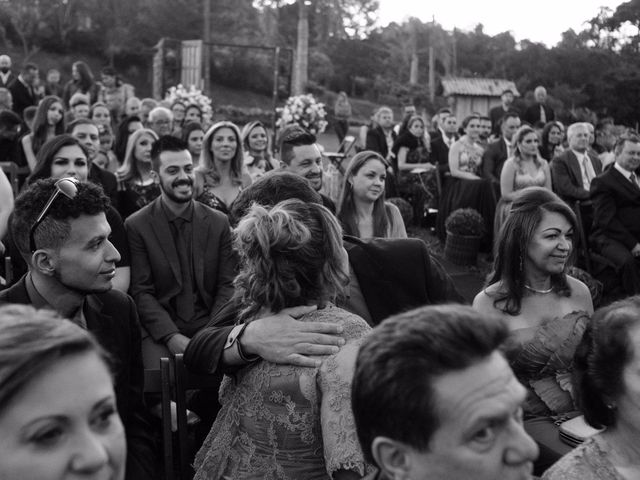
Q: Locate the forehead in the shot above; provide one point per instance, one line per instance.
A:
(70, 151)
(486, 389)
(85, 129)
(553, 220)
(305, 152)
(86, 227)
(175, 159)
(629, 146)
(258, 130)
(224, 132)
(372, 164)
(144, 137)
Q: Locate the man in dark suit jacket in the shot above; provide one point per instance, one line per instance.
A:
(71, 273)
(616, 205)
(387, 276)
(539, 112)
(381, 132)
(21, 89)
(441, 143)
(182, 265)
(497, 153)
(496, 114)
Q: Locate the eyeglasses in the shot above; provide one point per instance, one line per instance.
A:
(66, 186)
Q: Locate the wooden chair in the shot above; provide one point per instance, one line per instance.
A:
(184, 382)
(344, 149)
(12, 172)
(159, 382)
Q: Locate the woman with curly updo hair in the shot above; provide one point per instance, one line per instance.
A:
(277, 420)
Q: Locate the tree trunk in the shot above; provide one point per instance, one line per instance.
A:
(300, 70)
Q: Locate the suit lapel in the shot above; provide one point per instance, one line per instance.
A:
(200, 228)
(161, 229)
(625, 183)
(575, 167)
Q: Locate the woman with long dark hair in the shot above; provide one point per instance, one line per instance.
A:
(48, 122)
(125, 128)
(552, 138)
(82, 81)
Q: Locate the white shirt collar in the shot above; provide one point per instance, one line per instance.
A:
(623, 171)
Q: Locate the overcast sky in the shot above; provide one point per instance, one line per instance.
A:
(539, 21)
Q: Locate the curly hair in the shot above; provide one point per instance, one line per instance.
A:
(55, 228)
(291, 254)
(207, 165)
(41, 122)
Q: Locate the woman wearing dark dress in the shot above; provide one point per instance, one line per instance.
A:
(220, 176)
(136, 186)
(125, 128)
(82, 81)
(552, 138)
(465, 188)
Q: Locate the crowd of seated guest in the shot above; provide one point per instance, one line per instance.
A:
(205, 243)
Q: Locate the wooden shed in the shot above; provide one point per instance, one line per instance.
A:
(468, 95)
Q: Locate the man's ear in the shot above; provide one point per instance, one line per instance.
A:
(155, 176)
(44, 262)
(392, 457)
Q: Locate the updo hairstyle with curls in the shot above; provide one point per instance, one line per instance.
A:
(290, 255)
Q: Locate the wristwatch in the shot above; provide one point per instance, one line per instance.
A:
(234, 338)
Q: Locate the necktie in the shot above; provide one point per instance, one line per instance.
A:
(634, 180)
(543, 115)
(587, 170)
(185, 299)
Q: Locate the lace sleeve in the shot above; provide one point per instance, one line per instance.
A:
(341, 447)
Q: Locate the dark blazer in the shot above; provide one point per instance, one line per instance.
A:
(107, 180)
(10, 78)
(23, 97)
(532, 114)
(155, 268)
(493, 160)
(111, 317)
(394, 275)
(616, 209)
(566, 175)
(440, 153)
(377, 141)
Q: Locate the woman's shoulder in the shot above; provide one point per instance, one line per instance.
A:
(354, 326)
(585, 462)
(483, 301)
(580, 294)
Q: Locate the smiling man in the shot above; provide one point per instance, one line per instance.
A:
(181, 258)
(434, 399)
(71, 267)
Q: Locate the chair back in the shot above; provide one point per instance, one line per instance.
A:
(159, 382)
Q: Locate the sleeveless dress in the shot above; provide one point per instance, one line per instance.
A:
(463, 193)
(210, 199)
(542, 360)
(288, 422)
(521, 180)
(585, 462)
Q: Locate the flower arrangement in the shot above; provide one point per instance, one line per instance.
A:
(465, 221)
(190, 96)
(305, 111)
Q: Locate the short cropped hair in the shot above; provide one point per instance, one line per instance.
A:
(270, 189)
(55, 228)
(600, 360)
(392, 391)
(290, 254)
(80, 121)
(293, 136)
(157, 111)
(32, 341)
(166, 143)
(622, 139)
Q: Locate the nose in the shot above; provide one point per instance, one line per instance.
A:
(91, 454)
(521, 448)
(112, 255)
(565, 243)
(378, 181)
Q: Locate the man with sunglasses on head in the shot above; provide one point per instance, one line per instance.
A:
(61, 231)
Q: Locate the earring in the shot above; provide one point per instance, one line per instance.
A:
(612, 406)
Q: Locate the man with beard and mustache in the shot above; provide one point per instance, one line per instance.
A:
(6, 75)
(72, 264)
(182, 265)
(299, 154)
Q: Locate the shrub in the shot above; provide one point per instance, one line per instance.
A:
(465, 221)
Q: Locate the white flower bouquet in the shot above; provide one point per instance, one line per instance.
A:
(189, 96)
(305, 111)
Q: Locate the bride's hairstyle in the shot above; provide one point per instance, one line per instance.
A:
(514, 238)
(291, 255)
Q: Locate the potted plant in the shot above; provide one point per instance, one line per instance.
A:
(465, 229)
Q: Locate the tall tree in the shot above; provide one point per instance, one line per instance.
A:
(301, 65)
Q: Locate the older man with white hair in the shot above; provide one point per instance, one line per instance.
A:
(539, 112)
(6, 75)
(161, 121)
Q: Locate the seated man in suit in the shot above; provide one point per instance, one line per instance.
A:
(71, 265)
(182, 265)
(463, 417)
(616, 209)
(441, 143)
(497, 153)
(573, 171)
(387, 276)
(539, 112)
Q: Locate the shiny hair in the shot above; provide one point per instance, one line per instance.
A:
(86, 77)
(32, 341)
(122, 136)
(246, 132)
(41, 123)
(197, 107)
(129, 170)
(347, 206)
(527, 210)
(188, 128)
(98, 105)
(45, 156)
(393, 392)
(291, 254)
(518, 137)
(380, 111)
(545, 146)
(601, 358)
(207, 165)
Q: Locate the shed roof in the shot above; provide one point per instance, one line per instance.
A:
(482, 87)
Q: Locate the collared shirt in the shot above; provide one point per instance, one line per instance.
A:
(626, 173)
(5, 76)
(586, 167)
(510, 149)
(38, 302)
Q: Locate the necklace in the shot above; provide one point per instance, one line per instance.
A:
(535, 290)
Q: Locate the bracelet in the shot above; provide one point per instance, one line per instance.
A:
(234, 338)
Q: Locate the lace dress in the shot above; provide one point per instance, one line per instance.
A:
(586, 462)
(286, 422)
(210, 199)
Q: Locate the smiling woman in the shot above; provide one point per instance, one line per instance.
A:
(545, 309)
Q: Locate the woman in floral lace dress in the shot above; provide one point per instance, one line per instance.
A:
(279, 421)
